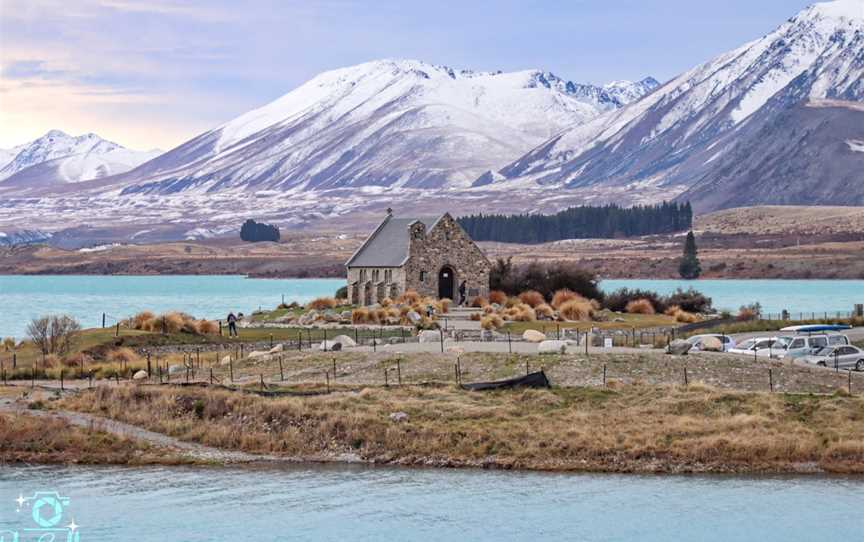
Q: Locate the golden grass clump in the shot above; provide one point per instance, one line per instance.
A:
(321, 304)
(444, 305)
(386, 302)
(532, 298)
(476, 316)
(576, 310)
(563, 296)
(479, 302)
(526, 314)
(639, 306)
(122, 355)
(498, 297)
(208, 327)
(140, 320)
(488, 309)
(491, 322)
(544, 311)
(360, 315)
(686, 317)
(409, 298)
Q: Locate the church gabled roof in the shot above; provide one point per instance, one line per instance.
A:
(388, 244)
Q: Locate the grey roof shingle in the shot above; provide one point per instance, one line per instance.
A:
(388, 245)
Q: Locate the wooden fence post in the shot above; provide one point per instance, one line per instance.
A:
(604, 375)
(686, 381)
(281, 371)
(398, 370)
(770, 380)
(231, 369)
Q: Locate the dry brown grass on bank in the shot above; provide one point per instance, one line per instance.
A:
(172, 322)
(31, 439)
(632, 428)
(491, 322)
(562, 296)
(122, 356)
(576, 310)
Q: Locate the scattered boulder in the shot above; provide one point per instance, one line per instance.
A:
(534, 336)
(429, 336)
(345, 341)
(414, 317)
(140, 375)
(331, 316)
(225, 361)
(712, 344)
(552, 347)
(346, 315)
(278, 348)
(679, 348)
(399, 417)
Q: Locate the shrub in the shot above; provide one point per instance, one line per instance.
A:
(512, 302)
(321, 303)
(526, 314)
(444, 305)
(686, 317)
(576, 310)
(689, 300)
(544, 311)
(258, 231)
(640, 306)
(543, 278)
(341, 293)
(208, 327)
(173, 322)
(386, 302)
(8, 344)
(479, 302)
(75, 360)
(618, 300)
(532, 298)
(497, 297)
(564, 295)
(491, 322)
(475, 316)
(749, 312)
(54, 334)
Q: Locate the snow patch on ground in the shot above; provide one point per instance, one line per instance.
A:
(855, 146)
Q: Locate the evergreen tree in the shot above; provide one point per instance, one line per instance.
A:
(258, 231)
(690, 268)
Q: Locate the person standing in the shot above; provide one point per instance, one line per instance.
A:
(462, 288)
(232, 324)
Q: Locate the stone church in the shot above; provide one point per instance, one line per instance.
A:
(431, 256)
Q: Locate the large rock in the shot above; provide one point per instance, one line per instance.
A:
(679, 347)
(534, 336)
(347, 316)
(429, 336)
(278, 348)
(345, 341)
(140, 375)
(414, 317)
(712, 344)
(399, 416)
(225, 361)
(552, 347)
(331, 316)
(330, 346)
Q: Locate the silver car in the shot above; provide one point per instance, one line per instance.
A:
(842, 357)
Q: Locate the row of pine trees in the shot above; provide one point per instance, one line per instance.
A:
(608, 221)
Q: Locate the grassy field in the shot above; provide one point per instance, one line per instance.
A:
(626, 322)
(636, 428)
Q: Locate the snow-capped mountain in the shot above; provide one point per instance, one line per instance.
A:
(59, 157)
(390, 123)
(768, 122)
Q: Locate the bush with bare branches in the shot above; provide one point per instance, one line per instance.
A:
(55, 334)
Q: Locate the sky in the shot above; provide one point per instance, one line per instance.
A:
(153, 74)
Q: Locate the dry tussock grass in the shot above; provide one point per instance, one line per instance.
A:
(498, 297)
(172, 322)
(532, 298)
(544, 311)
(562, 296)
(322, 304)
(576, 310)
(408, 298)
(122, 355)
(630, 428)
(491, 322)
(479, 302)
(639, 306)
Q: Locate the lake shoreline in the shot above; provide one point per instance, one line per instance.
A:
(630, 429)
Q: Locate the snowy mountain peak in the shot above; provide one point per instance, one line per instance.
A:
(850, 10)
(73, 158)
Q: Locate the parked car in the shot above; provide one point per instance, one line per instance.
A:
(802, 345)
(761, 346)
(698, 342)
(843, 357)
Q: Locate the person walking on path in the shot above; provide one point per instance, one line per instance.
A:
(462, 293)
(232, 324)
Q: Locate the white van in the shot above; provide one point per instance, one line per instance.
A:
(804, 345)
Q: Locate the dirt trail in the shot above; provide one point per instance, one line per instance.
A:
(96, 423)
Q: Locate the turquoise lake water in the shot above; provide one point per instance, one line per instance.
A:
(211, 296)
(324, 503)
